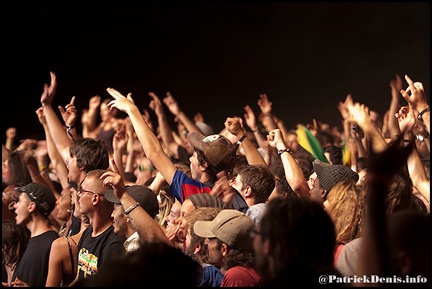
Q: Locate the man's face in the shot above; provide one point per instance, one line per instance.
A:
(64, 204)
(186, 210)
(195, 166)
(22, 209)
(214, 252)
(74, 173)
(315, 189)
(119, 220)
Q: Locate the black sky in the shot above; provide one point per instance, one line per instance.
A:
(213, 57)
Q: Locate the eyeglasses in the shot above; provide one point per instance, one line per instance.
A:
(254, 232)
(142, 168)
(81, 190)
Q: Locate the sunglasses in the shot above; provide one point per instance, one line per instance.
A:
(142, 168)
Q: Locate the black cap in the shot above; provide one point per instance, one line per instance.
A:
(143, 195)
(42, 195)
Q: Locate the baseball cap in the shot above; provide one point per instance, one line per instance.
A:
(143, 195)
(42, 195)
(230, 226)
(329, 175)
(218, 150)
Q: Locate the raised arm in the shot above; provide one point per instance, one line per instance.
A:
(10, 138)
(266, 115)
(235, 126)
(253, 125)
(69, 115)
(165, 129)
(392, 123)
(416, 98)
(293, 173)
(57, 162)
(359, 113)
(374, 255)
(174, 108)
(56, 128)
(148, 229)
(416, 170)
(150, 143)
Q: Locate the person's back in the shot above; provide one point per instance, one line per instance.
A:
(294, 243)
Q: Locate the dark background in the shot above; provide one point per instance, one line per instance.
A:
(213, 57)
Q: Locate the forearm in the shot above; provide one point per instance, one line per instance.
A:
(151, 145)
(9, 143)
(251, 152)
(418, 175)
(118, 158)
(188, 123)
(294, 174)
(57, 131)
(393, 124)
(167, 136)
(56, 159)
(148, 229)
(375, 137)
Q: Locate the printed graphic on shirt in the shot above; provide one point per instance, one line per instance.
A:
(87, 263)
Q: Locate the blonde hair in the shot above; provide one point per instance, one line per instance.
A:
(166, 202)
(345, 209)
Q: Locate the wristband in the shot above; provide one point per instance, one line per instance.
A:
(242, 138)
(69, 128)
(420, 115)
(281, 151)
(131, 208)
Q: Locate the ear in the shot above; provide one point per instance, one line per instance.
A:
(224, 249)
(248, 192)
(324, 194)
(31, 207)
(198, 248)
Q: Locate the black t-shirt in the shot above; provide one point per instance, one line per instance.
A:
(94, 251)
(32, 269)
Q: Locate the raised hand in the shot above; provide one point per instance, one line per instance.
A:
(171, 103)
(198, 117)
(250, 118)
(275, 138)
(11, 132)
(156, 104)
(41, 116)
(94, 102)
(69, 113)
(396, 85)
(120, 102)
(414, 94)
(406, 119)
(264, 104)
(234, 125)
(49, 90)
(113, 179)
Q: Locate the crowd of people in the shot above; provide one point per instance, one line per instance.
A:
(126, 200)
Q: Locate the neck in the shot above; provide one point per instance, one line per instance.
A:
(38, 225)
(99, 225)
